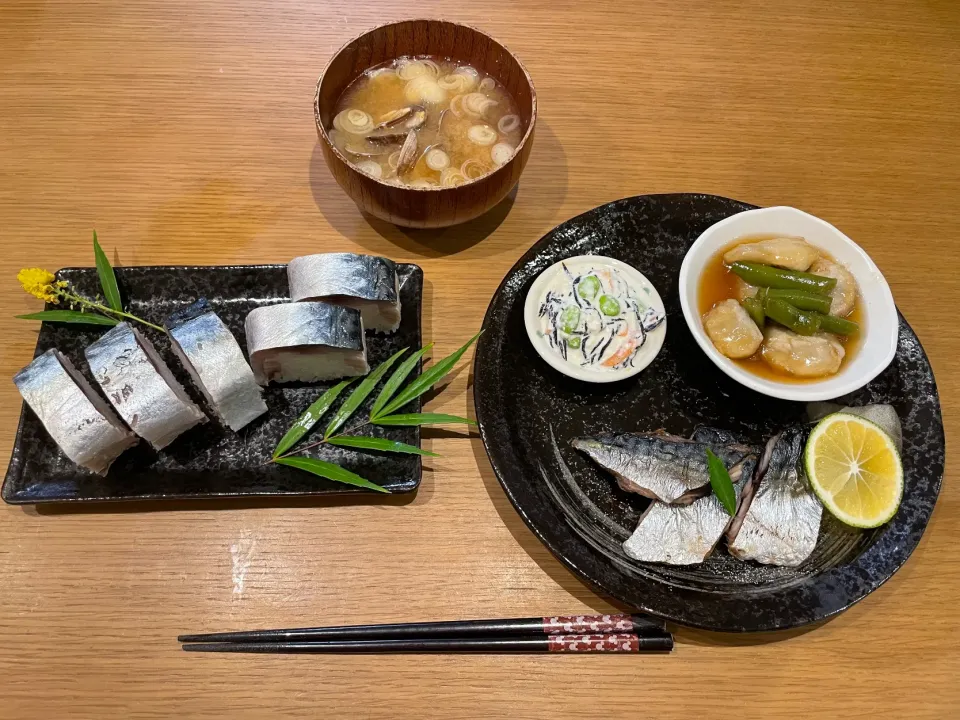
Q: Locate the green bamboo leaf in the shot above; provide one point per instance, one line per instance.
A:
(721, 483)
(427, 379)
(69, 316)
(108, 281)
(360, 394)
(422, 419)
(399, 375)
(309, 418)
(329, 471)
(374, 443)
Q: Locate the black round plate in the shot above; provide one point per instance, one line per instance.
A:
(528, 413)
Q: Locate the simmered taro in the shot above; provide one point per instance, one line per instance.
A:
(780, 308)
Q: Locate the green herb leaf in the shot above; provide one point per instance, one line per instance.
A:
(399, 375)
(70, 316)
(422, 419)
(329, 471)
(428, 379)
(721, 483)
(360, 394)
(374, 443)
(108, 281)
(309, 418)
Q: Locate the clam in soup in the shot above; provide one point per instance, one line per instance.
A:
(426, 122)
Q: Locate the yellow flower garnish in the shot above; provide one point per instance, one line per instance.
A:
(39, 283)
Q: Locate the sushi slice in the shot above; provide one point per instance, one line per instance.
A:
(305, 342)
(78, 420)
(141, 387)
(211, 355)
(365, 282)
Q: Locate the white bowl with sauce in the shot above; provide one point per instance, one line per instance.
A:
(636, 299)
(879, 328)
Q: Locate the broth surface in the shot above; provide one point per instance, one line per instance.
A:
(717, 282)
(471, 124)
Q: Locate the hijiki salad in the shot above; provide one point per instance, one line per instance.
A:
(593, 316)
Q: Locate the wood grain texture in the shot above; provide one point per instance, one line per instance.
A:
(183, 133)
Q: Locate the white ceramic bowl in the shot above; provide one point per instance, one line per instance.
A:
(531, 319)
(880, 327)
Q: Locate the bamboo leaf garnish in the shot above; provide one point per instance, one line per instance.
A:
(69, 316)
(393, 384)
(427, 379)
(422, 419)
(721, 483)
(108, 280)
(362, 442)
(380, 414)
(359, 395)
(309, 418)
(330, 471)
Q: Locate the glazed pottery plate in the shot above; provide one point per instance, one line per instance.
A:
(209, 460)
(529, 412)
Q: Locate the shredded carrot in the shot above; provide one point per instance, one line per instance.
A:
(620, 355)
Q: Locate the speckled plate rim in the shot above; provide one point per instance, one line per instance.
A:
(821, 597)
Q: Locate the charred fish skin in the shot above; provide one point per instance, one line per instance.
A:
(141, 387)
(662, 467)
(305, 335)
(366, 282)
(780, 522)
(88, 432)
(210, 353)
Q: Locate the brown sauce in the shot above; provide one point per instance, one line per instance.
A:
(718, 283)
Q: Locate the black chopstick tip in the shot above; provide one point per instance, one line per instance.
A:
(211, 647)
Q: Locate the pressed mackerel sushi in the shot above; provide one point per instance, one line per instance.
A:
(365, 282)
(305, 342)
(78, 420)
(210, 353)
(141, 387)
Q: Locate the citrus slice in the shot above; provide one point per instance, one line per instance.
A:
(855, 470)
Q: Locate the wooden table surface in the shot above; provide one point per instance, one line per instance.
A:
(183, 133)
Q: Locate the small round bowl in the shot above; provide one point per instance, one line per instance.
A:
(424, 207)
(880, 327)
(531, 319)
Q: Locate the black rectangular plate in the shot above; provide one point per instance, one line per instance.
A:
(210, 460)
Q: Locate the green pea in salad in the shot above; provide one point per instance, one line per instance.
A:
(595, 315)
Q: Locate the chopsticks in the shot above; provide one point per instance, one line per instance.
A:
(563, 634)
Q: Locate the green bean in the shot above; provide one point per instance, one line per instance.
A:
(570, 318)
(589, 287)
(789, 316)
(754, 309)
(803, 299)
(774, 277)
(837, 325)
(609, 306)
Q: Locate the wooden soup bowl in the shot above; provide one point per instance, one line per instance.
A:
(424, 207)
